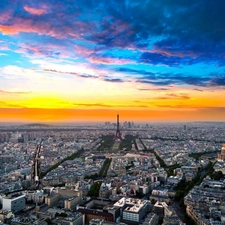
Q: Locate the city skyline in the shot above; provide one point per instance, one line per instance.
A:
(65, 61)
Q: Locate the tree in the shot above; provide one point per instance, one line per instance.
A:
(217, 175)
(94, 191)
(179, 195)
(61, 215)
(48, 221)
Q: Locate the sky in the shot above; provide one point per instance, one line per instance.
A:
(86, 60)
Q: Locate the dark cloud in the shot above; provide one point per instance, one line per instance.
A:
(187, 26)
(153, 89)
(197, 89)
(136, 72)
(180, 79)
(107, 79)
(164, 59)
(165, 79)
(71, 73)
(184, 26)
(217, 81)
(177, 79)
(156, 83)
(114, 80)
(157, 59)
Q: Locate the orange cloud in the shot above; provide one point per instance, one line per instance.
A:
(36, 11)
(174, 96)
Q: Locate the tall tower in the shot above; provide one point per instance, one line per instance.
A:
(118, 134)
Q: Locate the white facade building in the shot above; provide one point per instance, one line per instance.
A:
(133, 209)
(14, 204)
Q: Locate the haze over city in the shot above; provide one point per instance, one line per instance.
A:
(64, 61)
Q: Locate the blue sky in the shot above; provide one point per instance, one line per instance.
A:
(137, 49)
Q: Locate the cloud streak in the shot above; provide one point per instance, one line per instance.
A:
(36, 11)
(15, 92)
(109, 105)
(174, 96)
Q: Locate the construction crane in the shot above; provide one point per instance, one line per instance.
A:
(35, 169)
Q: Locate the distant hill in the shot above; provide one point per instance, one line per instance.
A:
(35, 125)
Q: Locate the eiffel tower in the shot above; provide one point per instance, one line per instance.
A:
(118, 134)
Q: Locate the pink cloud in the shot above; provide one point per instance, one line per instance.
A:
(39, 27)
(84, 27)
(3, 47)
(21, 25)
(109, 60)
(44, 50)
(83, 51)
(5, 16)
(29, 48)
(35, 11)
(119, 26)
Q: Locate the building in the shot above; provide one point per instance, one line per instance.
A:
(103, 222)
(96, 222)
(158, 209)
(205, 203)
(14, 203)
(27, 221)
(52, 200)
(151, 219)
(115, 211)
(76, 219)
(160, 194)
(94, 214)
(72, 202)
(135, 213)
(170, 217)
(133, 209)
(105, 191)
(221, 156)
